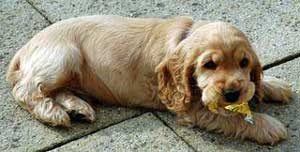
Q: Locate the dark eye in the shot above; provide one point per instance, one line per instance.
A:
(210, 65)
(244, 63)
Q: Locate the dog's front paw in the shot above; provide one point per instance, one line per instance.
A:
(267, 130)
(276, 90)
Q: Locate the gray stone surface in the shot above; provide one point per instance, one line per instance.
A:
(144, 133)
(289, 71)
(18, 130)
(272, 26)
(287, 114)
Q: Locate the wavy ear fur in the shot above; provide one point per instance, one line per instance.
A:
(256, 77)
(173, 81)
(173, 72)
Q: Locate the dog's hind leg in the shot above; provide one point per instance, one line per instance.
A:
(38, 74)
(30, 95)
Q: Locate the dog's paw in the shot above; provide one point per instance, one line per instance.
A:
(50, 113)
(58, 112)
(79, 109)
(276, 90)
(267, 130)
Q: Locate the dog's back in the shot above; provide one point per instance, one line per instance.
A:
(110, 57)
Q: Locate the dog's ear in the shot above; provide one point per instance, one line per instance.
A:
(174, 72)
(173, 82)
(256, 77)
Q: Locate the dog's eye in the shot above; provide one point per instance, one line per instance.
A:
(244, 63)
(210, 65)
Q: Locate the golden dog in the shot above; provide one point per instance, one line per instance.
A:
(176, 64)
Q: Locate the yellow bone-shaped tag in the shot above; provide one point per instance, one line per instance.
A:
(213, 107)
(244, 107)
(240, 108)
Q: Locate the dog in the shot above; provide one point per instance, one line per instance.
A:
(174, 64)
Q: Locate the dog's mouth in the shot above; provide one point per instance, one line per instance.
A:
(216, 102)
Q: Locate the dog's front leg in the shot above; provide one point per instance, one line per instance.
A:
(276, 90)
(265, 130)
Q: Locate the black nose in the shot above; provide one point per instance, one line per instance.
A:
(231, 95)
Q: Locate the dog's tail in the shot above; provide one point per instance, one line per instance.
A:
(13, 73)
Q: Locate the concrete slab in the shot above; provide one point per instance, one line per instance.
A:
(288, 114)
(271, 26)
(144, 133)
(19, 22)
(19, 131)
(289, 71)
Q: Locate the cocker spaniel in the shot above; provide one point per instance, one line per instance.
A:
(174, 64)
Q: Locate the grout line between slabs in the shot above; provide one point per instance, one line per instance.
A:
(265, 67)
(51, 147)
(56, 145)
(181, 138)
(40, 12)
(281, 61)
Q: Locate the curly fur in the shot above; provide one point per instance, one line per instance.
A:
(152, 63)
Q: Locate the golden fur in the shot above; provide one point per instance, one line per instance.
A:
(152, 63)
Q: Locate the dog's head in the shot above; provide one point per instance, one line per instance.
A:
(214, 59)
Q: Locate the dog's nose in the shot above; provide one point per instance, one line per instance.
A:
(231, 95)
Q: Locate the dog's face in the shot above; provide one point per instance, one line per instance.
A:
(224, 65)
(218, 59)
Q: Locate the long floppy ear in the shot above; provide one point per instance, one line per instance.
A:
(256, 77)
(173, 82)
(174, 71)
(173, 87)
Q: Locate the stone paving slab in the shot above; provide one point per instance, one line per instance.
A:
(144, 133)
(18, 130)
(288, 114)
(272, 26)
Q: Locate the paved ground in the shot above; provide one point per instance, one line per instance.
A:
(273, 28)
